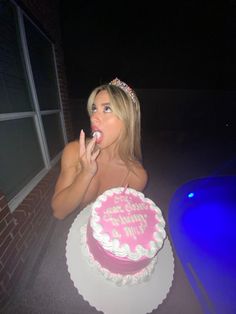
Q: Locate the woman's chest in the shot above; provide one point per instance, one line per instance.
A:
(107, 177)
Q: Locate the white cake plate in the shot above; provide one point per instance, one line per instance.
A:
(106, 296)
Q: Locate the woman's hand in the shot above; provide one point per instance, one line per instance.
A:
(87, 155)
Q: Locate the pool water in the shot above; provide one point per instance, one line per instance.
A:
(202, 224)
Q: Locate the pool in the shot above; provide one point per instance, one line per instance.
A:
(202, 224)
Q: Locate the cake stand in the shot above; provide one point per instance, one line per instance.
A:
(104, 295)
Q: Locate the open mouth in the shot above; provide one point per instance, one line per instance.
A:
(98, 135)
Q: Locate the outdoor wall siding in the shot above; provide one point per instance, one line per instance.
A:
(20, 230)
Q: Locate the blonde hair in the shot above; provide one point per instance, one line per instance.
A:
(128, 111)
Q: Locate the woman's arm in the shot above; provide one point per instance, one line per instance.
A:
(78, 167)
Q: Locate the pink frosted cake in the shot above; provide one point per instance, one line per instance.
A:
(124, 234)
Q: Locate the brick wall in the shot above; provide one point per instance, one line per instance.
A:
(20, 230)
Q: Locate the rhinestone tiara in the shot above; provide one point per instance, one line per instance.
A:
(128, 90)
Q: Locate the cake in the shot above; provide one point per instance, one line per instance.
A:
(123, 235)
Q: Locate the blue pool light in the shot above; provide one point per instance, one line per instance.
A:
(203, 232)
(190, 195)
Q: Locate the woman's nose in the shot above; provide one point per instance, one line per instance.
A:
(96, 117)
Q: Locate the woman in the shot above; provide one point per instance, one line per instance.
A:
(110, 159)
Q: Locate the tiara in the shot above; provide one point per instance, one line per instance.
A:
(128, 90)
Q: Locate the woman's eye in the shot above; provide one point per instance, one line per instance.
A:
(94, 108)
(107, 109)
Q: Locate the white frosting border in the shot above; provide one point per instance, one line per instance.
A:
(118, 279)
(124, 250)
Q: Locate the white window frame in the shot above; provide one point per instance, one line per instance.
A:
(37, 114)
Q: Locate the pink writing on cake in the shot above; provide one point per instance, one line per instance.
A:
(134, 231)
(131, 225)
(113, 210)
(135, 206)
(128, 203)
(122, 198)
(115, 233)
(124, 220)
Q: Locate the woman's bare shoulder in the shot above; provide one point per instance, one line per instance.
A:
(72, 145)
(138, 176)
(70, 155)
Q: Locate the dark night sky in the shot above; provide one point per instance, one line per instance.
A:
(181, 45)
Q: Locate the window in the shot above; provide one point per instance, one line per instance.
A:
(32, 132)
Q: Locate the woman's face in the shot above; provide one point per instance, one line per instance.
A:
(104, 122)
